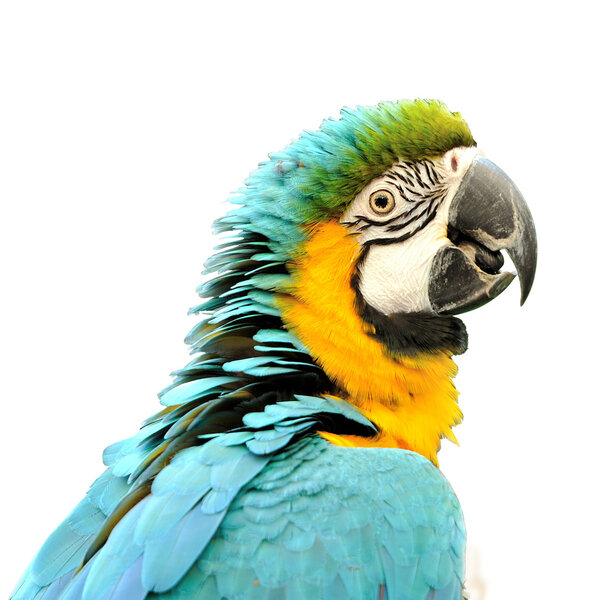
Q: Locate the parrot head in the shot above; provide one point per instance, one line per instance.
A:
(432, 231)
(366, 239)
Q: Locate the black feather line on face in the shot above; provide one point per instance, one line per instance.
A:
(425, 206)
(370, 222)
(402, 238)
(400, 189)
(430, 205)
(431, 173)
(409, 333)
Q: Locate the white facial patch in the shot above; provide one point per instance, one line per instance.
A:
(393, 278)
(401, 237)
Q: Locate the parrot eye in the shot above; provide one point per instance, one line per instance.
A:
(382, 202)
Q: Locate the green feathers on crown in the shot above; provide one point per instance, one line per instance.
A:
(318, 174)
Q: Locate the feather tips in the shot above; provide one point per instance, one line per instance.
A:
(308, 519)
(313, 522)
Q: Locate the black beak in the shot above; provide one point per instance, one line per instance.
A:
(487, 214)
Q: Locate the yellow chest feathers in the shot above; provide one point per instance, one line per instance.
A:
(412, 400)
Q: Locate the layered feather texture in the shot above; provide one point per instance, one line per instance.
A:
(233, 518)
(326, 522)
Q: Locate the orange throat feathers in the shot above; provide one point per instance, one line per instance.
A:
(411, 399)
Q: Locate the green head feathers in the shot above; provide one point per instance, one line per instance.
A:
(317, 175)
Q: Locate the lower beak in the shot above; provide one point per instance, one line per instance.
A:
(487, 215)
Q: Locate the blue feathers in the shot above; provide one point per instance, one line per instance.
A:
(249, 514)
(314, 522)
(65, 547)
(167, 559)
(192, 390)
(311, 519)
(172, 525)
(118, 554)
(51, 572)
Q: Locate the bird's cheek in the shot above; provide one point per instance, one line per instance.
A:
(394, 278)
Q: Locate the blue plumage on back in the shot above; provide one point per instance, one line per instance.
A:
(235, 517)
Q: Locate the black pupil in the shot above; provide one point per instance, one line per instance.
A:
(381, 201)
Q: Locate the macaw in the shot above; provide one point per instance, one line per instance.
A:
(295, 457)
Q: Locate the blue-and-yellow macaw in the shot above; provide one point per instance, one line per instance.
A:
(295, 457)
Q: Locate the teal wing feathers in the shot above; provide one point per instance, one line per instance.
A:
(262, 512)
(328, 523)
(158, 538)
(64, 550)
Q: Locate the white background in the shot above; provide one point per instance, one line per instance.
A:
(124, 125)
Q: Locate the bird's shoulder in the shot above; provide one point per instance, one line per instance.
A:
(322, 521)
(156, 479)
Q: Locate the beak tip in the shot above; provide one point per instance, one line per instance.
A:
(526, 284)
(526, 268)
(524, 294)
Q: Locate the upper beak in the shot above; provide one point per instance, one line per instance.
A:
(487, 214)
